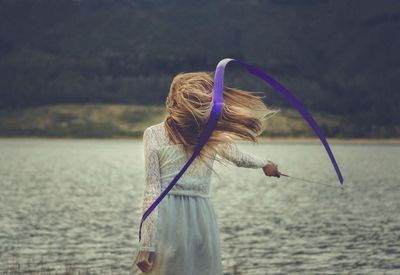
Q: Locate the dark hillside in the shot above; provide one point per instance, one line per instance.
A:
(339, 57)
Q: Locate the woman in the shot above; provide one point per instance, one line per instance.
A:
(181, 235)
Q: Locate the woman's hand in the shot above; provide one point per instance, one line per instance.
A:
(271, 170)
(145, 261)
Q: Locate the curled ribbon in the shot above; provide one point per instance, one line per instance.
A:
(218, 102)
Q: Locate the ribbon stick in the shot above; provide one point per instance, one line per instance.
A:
(218, 101)
(309, 181)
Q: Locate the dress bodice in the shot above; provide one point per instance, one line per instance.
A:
(195, 180)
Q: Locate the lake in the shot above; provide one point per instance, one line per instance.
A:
(77, 203)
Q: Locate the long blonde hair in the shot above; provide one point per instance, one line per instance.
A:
(189, 104)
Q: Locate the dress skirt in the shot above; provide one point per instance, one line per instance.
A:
(188, 241)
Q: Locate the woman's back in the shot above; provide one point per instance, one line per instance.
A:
(171, 159)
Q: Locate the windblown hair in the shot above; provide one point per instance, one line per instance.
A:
(189, 105)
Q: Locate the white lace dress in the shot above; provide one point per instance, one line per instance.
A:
(182, 230)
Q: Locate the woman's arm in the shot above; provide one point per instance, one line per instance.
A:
(232, 153)
(152, 190)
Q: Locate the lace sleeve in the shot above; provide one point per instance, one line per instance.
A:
(232, 153)
(152, 190)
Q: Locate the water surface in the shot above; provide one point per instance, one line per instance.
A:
(77, 202)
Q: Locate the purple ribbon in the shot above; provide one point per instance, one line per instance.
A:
(218, 102)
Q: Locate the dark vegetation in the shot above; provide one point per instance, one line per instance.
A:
(340, 58)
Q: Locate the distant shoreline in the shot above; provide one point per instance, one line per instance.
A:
(394, 141)
(128, 121)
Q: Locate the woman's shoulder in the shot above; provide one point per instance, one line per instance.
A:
(156, 133)
(155, 127)
(159, 136)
